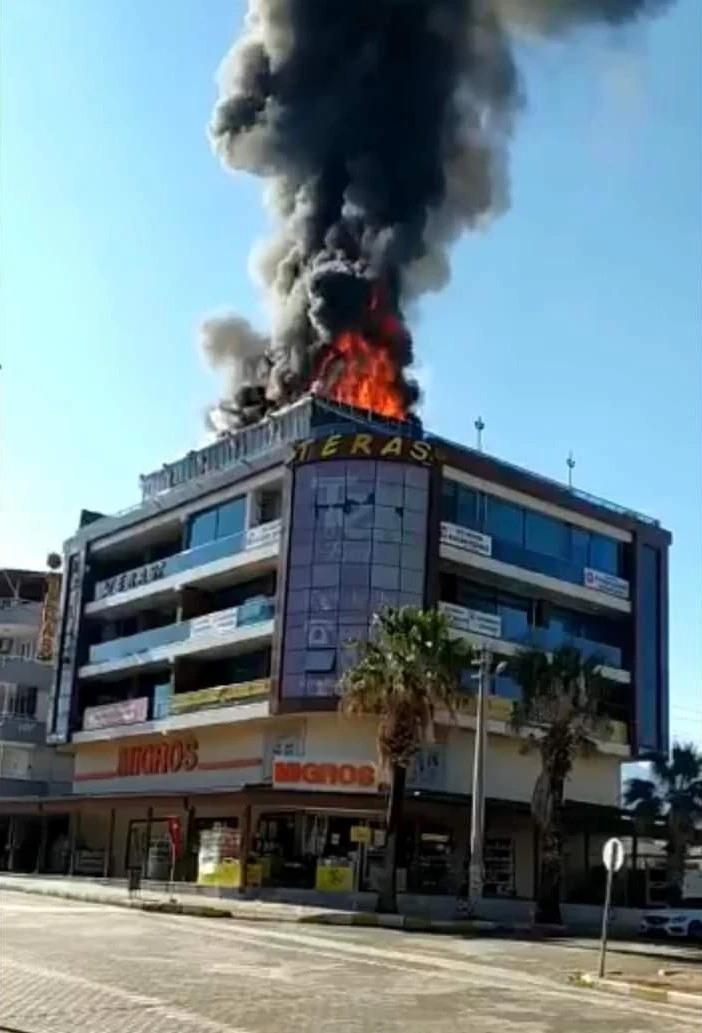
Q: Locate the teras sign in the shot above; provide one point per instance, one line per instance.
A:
(363, 446)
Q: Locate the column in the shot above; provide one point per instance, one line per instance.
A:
(107, 864)
(41, 852)
(73, 839)
(244, 848)
(11, 841)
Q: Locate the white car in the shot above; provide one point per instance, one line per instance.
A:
(683, 923)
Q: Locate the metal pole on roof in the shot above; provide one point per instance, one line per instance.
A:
(480, 427)
(570, 463)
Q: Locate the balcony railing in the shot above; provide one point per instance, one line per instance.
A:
(492, 625)
(253, 538)
(18, 612)
(20, 729)
(222, 622)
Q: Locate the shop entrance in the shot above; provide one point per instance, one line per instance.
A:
(333, 853)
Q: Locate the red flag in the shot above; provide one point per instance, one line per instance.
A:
(174, 834)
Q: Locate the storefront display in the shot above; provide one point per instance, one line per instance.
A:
(218, 856)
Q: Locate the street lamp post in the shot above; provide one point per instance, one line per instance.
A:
(477, 814)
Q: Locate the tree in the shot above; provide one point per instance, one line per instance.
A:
(409, 669)
(675, 793)
(562, 697)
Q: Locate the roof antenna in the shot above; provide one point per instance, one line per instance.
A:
(570, 463)
(480, 427)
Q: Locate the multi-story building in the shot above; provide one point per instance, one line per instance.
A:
(202, 637)
(28, 767)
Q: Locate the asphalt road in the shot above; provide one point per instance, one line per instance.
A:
(83, 968)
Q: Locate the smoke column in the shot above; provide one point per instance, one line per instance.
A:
(380, 128)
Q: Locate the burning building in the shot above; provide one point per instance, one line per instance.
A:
(380, 129)
(202, 636)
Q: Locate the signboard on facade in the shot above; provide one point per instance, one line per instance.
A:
(128, 712)
(466, 539)
(598, 581)
(263, 535)
(325, 776)
(474, 621)
(131, 579)
(162, 758)
(363, 446)
(219, 623)
(218, 696)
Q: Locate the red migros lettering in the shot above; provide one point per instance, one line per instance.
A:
(163, 758)
(322, 774)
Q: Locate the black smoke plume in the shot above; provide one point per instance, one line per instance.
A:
(380, 128)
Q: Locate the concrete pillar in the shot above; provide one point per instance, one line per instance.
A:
(107, 864)
(41, 852)
(147, 842)
(244, 848)
(11, 843)
(73, 840)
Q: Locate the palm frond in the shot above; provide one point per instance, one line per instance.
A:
(409, 668)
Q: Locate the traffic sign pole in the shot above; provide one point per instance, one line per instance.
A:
(613, 854)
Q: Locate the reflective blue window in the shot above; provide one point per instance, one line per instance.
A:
(545, 535)
(503, 520)
(203, 528)
(466, 507)
(604, 554)
(579, 547)
(217, 522)
(230, 518)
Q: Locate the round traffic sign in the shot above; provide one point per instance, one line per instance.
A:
(613, 854)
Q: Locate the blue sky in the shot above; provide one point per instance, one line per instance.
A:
(121, 231)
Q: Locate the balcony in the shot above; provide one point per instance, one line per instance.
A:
(16, 615)
(168, 711)
(250, 550)
(25, 730)
(492, 626)
(236, 629)
(466, 545)
(21, 670)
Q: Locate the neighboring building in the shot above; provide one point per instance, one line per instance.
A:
(28, 767)
(202, 638)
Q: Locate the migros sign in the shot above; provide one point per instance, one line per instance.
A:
(324, 775)
(163, 758)
(363, 446)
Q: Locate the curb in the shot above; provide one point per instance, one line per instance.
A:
(358, 919)
(643, 993)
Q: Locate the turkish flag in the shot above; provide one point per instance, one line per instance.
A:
(174, 834)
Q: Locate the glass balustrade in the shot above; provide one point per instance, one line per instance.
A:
(253, 611)
(515, 630)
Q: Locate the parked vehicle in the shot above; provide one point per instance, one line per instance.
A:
(683, 923)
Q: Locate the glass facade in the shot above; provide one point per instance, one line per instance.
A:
(529, 539)
(358, 536)
(526, 619)
(648, 673)
(221, 521)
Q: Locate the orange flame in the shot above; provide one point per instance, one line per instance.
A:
(361, 370)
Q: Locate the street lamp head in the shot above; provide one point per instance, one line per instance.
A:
(501, 667)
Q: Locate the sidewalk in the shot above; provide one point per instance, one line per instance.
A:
(156, 897)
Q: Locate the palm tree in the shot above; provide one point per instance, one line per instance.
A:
(409, 669)
(562, 697)
(673, 793)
